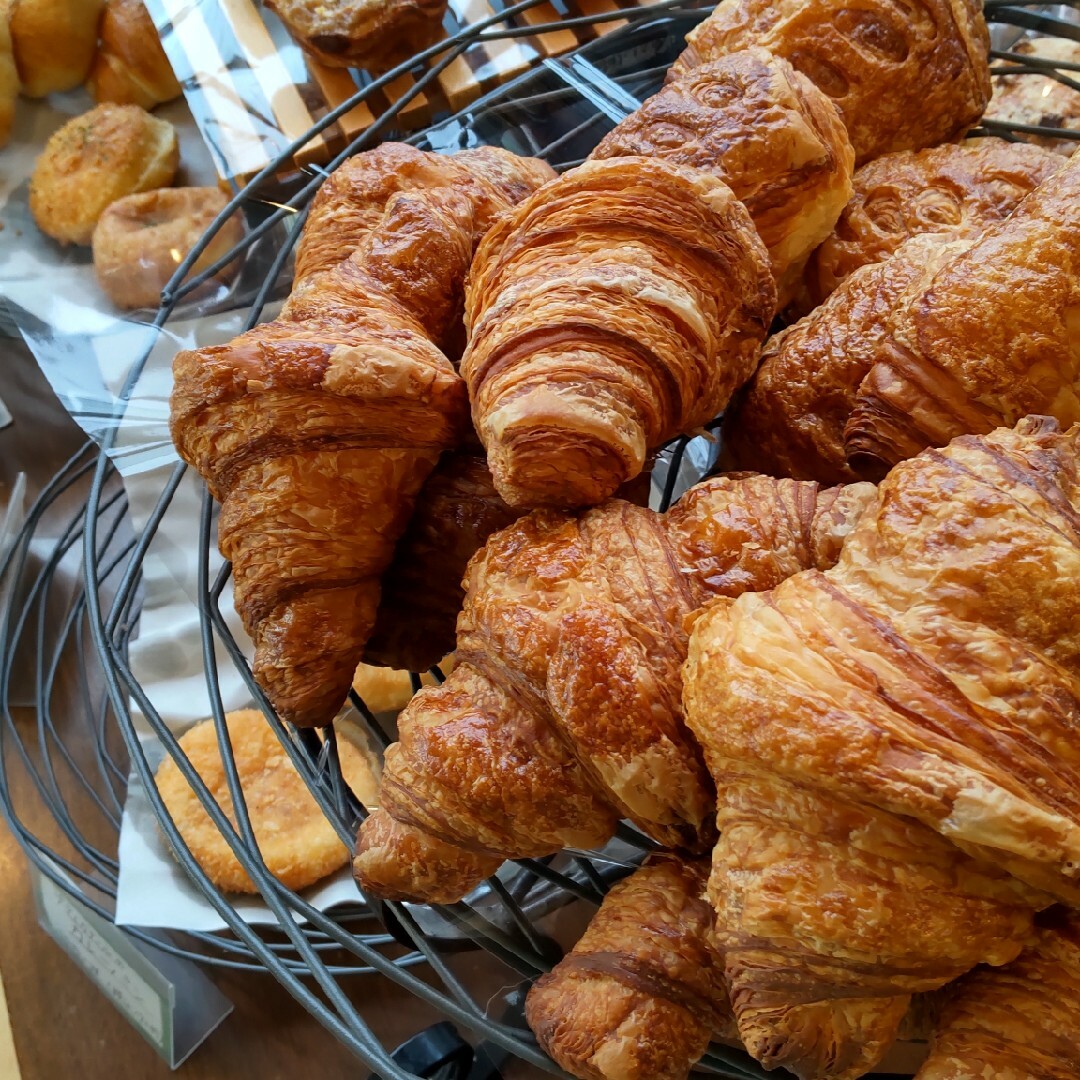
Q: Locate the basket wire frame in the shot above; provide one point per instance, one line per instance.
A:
(310, 957)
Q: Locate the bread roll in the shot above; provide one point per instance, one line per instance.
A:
(54, 42)
(131, 67)
(141, 239)
(95, 159)
(1040, 100)
(904, 74)
(9, 77)
(957, 190)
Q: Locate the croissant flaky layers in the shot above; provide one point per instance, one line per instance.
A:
(903, 719)
(316, 430)
(609, 312)
(564, 711)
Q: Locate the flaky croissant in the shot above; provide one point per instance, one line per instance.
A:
(1020, 1022)
(564, 711)
(954, 190)
(316, 430)
(620, 305)
(642, 992)
(457, 510)
(765, 130)
(904, 76)
(993, 337)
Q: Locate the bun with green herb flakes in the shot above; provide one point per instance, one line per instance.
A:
(95, 159)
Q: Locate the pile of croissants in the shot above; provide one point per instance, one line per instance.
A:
(848, 666)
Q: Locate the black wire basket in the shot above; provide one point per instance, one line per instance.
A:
(76, 591)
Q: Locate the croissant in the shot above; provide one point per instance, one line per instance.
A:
(1019, 1022)
(316, 430)
(903, 76)
(563, 713)
(766, 131)
(991, 338)
(831, 914)
(789, 419)
(620, 305)
(457, 510)
(957, 190)
(642, 992)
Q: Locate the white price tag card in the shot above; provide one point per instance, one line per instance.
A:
(169, 1001)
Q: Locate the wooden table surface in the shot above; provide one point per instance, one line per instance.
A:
(60, 1023)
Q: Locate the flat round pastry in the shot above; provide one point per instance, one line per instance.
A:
(764, 129)
(297, 842)
(141, 239)
(1037, 99)
(54, 42)
(95, 159)
(371, 34)
(957, 190)
(131, 67)
(9, 76)
(386, 689)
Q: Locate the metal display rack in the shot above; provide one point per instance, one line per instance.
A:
(558, 112)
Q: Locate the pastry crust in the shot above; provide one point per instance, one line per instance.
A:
(371, 34)
(789, 420)
(831, 914)
(130, 66)
(620, 305)
(990, 338)
(1019, 1022)
(9, 77)
(296, 841)
(54, 42)
(564, 713)
(1039, 100)
(140, 240)
(422, 592)
(95, 159)
(389, 690)
(766, 131)
(904, 76)
(935, 671)
(642, 992)
(317, 430)
(954, 190)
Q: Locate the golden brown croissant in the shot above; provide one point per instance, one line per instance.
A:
(620, 305)
(642, 992)
(766, 131)
(457, 510)
(904, 75)
(831, 914)
(564, 711)
(994, 336)
(935, 671)
(1039, 100)
(789, 419)
(957, 190)
(1021, 1022)
(317, 429)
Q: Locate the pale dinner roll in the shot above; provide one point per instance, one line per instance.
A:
(9, 77)
(141, 239)
(131, 67)
(95, 159)
(386, 689)
(54, 42)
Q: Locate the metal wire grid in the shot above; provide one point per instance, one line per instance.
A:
(507, 920)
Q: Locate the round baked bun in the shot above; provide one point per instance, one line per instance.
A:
(54, 42)
(141, 239)
(95, 159)
(9, 77)
(297, 842)
(131, 67)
